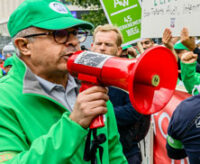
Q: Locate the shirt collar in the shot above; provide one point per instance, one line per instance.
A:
(49, 86)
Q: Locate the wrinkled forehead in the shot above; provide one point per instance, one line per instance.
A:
(106, 36)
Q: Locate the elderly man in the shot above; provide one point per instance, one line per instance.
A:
(43, 119)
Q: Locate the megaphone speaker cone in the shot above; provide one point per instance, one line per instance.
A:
(153, 80)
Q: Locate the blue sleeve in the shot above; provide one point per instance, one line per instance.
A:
(184, 126)
(124, 111)
(174, 133)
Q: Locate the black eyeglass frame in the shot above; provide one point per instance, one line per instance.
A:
(53, 33)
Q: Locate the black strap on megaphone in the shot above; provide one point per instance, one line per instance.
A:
(91, 147)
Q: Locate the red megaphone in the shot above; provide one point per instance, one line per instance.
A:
(150, 79)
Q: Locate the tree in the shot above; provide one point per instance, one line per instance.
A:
(96, 15)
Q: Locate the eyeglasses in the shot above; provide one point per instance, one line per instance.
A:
(61, 36)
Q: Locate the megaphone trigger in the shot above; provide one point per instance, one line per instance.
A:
(87, 82)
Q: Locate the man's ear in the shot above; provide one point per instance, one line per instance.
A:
(119, 52)
(23, 45)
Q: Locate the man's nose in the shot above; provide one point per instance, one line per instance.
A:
(102, 47)
(145, 46)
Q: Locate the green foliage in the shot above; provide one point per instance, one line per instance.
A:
(85, 3)
(96, 16)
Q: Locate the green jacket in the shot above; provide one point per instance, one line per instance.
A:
(38, 129)
(1, 72)
(190, 77)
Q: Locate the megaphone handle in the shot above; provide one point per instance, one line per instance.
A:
(98, 121)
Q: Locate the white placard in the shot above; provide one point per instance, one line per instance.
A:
(174, 14)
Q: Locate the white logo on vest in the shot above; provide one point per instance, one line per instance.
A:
(197, 122)
(58, 7)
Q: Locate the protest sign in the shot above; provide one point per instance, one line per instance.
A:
(126, 15)
(174, 14)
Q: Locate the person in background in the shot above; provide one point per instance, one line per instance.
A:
(190, 68)
(183, 135)
(107, 39)
(190, 42)
(183, 66)
(169, 41)
(8, 64)
(178, 49)
(2, 58)
(147, 43)
(43, 117)
(8, 55)
(129, 52)
(190, 77)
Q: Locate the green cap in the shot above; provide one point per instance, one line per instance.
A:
(45, 14)
(126, 47)
(180, 46)
(8, 61)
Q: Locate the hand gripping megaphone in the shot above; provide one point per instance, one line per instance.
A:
(150, 79)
